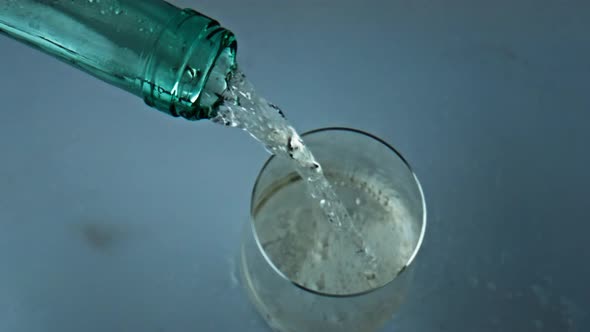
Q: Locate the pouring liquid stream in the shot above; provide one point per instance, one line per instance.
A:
(244, 109)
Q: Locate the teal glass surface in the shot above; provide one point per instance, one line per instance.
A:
(175, 59)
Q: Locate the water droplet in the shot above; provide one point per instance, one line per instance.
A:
(323, 202)
(538, 324)
(357, 201)
(336, 318)
(541, 294)
(117, 11)
(491, 286)
(34, 24)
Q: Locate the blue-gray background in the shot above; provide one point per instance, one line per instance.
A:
(114, 217)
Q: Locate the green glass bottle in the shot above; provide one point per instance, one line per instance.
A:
(176, 60)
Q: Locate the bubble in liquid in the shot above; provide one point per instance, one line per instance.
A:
(316, 257)
(370, 275)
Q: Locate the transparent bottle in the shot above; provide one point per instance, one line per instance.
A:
(175, 59)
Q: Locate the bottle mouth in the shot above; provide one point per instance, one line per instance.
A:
(211, 97)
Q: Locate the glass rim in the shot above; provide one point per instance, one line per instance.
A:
(418, 243)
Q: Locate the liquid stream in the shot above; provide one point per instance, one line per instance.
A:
(244, 109)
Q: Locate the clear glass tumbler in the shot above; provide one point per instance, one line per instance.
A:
(283, 248)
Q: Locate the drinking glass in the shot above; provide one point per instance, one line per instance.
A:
(287, 247)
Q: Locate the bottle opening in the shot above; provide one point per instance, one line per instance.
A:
(216, 82)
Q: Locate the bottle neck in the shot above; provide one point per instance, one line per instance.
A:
(186, 70)
(175, 60)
